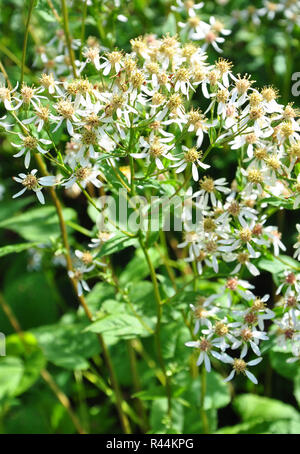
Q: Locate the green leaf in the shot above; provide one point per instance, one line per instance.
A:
(31, 296)
(66, 345)
(138, 269)
(119, 326)
(217, 393)
(277, 264)
(278, 202)
(8, 208)
(159, 419)
(250, 406)
(297, 387)
(278, 361)
(37, 224)
(11, 372)
(259, 426)
(116, 244)
(151, 394)
(11, 248)
(99, 293)
(33, 358)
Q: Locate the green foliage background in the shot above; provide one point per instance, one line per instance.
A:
(56, 335)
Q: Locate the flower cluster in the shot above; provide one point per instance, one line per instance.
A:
(132, 115)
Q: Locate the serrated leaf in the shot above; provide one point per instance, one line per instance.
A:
(116, 244)
(14, 248)
(250, 406)
(11, 372)
(119, 326)
(37, 224)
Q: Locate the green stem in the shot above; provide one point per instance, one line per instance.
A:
(68, 36)
(137, 385)
(203, 392)
(158, 324)
(114, 382)
(31, 6)
(82, 34)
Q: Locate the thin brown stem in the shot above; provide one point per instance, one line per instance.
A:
(115, 385)
(63, 399)
(68, 36)
(30, 10)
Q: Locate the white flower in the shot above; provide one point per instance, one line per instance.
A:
(248, 335)
(84, 175)
(28, 146)
(240, 366)
(77, 274)
(210, 187)
(192, 156)
(88, 259)
(297, 244)
(205, 346)
(30, 181)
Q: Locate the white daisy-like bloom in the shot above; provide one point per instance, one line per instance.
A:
(295, 353)
(236, 210)
(30, 95)
(39, 119)
(257, 176)
(275, 239)
(49, 83)
(289, 131)
(191, 156)
(211, 34)
(113, 61)
(102, 237)
(77, 274)
(83, 176)
(248, 336)
(242, 237)
(296, 246)
(210, 188)
(240, 366)
(291, 302)
(155, 148)
(270, 9)
(258, 313)
(202, 311)
(291, 282)
(31, 182)
(7, 98)
(288, 331)
(248, 14)
(206, 347)
(6, 126)
(29, 145)
(221, 97)
(199, 124)
(92, 55)
(243, 258)
(87, 258)
(297, 193)
(66, 113)
(234, 285)
(194, 26)
(250, 138)
(2, 191)
(189, 6)
(223, 330)
(182, 82)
